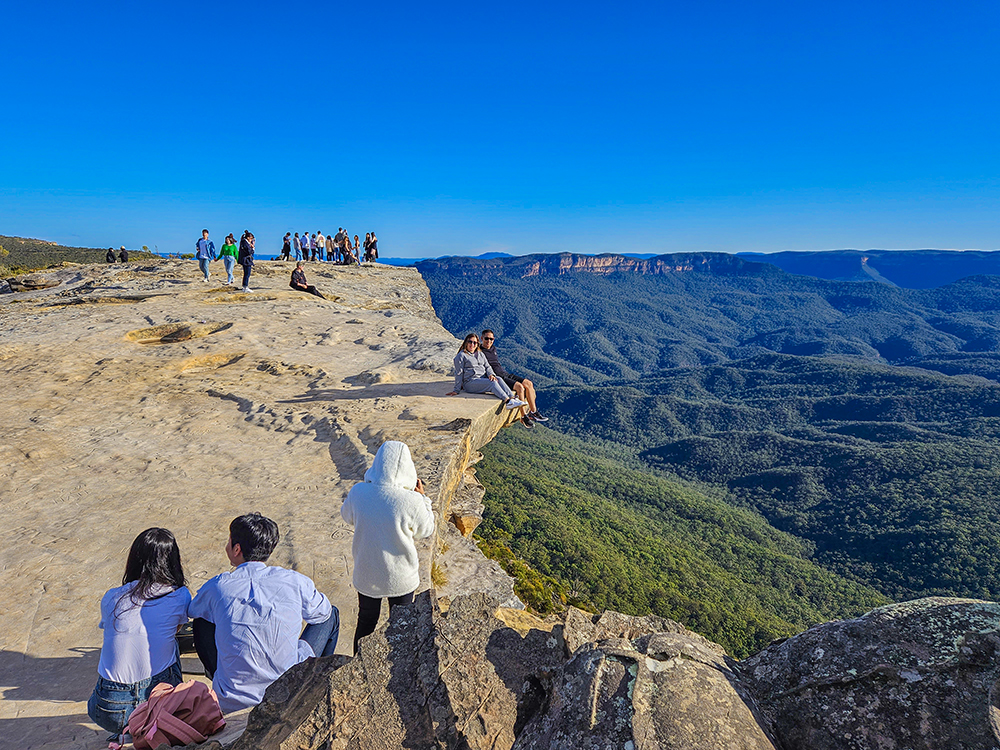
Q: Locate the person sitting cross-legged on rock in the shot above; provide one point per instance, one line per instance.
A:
(140, 620)
(388, 512)
(247, 622)
(474, 374)
(523, 388)
(299, 283)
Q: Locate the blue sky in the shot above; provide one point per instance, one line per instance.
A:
(460, 128)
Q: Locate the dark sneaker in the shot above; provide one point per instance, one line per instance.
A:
(537, 416)
(527, 422)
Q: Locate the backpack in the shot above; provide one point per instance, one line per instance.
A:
(176, 715)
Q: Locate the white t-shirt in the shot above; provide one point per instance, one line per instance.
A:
(139, 639)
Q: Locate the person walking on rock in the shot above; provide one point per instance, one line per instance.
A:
(205, 252)
(297, 243)
(388, 511)
(140, 619)
(229, 253)
(245, 258)
(286, 247)
(247, 622)
(473, 374)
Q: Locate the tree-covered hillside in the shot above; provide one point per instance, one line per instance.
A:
(629, 540)
(893, 474)
(21, 255)
(587, 326)
(860, 418)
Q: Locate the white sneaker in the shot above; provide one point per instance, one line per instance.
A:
(247, 290)
(515, 404)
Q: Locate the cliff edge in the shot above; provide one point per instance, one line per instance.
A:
(138, 395)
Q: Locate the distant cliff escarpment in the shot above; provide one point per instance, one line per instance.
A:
(573, 318)
(562, 264)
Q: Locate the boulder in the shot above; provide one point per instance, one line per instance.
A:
(920, 674)
(427, 679)
(5, 287)
(647, 683)
(478, 677)
(32, 281)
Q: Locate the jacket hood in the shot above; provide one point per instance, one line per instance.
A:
(393, 466)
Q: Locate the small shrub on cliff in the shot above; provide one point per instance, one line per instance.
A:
(540, 593)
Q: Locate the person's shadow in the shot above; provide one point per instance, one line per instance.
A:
(64, 683)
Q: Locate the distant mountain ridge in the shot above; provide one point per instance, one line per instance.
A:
(913, 269)
(576, 318)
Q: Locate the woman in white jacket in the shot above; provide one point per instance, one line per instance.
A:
(388, 512)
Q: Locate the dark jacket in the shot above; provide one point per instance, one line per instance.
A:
(110, 257)
(491, 357)
(245, 258)
(123, 256)
(299, 279)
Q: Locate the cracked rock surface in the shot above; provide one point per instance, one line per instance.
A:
(919, 674)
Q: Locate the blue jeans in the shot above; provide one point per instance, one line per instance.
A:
(112, 703)
(322, 636)
(229, 261)
(203, 265)
(483, 385)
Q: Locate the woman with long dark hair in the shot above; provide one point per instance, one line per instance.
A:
(140, 620)
(473, 374)
(245, 258)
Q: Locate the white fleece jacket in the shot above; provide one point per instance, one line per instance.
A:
(387, 515)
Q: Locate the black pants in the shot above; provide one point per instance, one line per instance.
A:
(204, 644)
(246, 275)
(368, 613)
(321, 637)
(310, 288)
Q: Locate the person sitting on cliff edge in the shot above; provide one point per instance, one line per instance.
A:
(299, 283)
(247, 622)
(474, 374)
(522, 387)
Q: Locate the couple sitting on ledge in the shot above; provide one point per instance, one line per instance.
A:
(248, 621)
(478, 370)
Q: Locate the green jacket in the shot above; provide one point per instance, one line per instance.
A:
(228, 250)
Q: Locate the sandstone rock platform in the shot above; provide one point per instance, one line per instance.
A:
(138, 395)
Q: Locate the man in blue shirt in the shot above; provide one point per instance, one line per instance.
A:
(247, 621)
(205, 252)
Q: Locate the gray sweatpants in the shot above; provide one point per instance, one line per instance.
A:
(483, 385)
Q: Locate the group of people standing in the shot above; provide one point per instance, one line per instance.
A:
(231, 254)
(334, 248)
(248, 622)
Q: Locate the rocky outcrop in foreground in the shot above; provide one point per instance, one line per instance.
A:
(921, 674)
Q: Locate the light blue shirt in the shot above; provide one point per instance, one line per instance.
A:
(206, 249)
(139, 637)
(258, 611)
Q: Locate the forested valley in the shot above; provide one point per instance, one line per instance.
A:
(738, 448)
